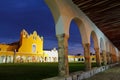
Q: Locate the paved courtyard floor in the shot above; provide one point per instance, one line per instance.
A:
(110, 74)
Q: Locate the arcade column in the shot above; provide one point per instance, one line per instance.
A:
(63, 55)
(98, 58)
(108, 58)
(104, 57)
(87, 56)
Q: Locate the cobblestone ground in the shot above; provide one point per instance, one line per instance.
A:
(110, 74)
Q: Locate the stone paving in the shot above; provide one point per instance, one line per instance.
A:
(110, 74)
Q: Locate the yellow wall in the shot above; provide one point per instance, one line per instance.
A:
(28, 40)
(7, 50)
(5, 47)
(24, 46)
(77, 57)
(6, 53)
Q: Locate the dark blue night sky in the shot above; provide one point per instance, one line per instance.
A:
(31, 15)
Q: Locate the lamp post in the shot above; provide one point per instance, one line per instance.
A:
(14, 56)
(6, 59)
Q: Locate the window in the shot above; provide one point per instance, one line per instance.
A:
(33, 48)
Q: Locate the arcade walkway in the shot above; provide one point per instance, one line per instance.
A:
(110, 74)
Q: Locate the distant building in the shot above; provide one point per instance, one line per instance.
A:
(51, 55)
(30, 49)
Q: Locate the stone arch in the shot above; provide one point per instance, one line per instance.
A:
(53, 9)
(108, 52)
(96, 47)
(62, 20)
(103, 51)
(111, 52)
(107, 46)
(102, 46)
(110, 45)
(58, 19)
(81, 27)
(114, 55)
(116, 51)
(75, 24)
(85, 39)
(95, 39)
(117, 54)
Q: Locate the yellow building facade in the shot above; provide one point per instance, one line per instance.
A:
(30, 49)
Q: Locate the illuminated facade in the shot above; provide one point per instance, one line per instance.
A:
(30, 49)
(52, 56)
(73, 58)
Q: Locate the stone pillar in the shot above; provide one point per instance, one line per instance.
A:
(119, 58)
(111, 61)
(104, 58)
(98, 58)
(87, 56)
(63, 55)
(108, 58)
(114, 58)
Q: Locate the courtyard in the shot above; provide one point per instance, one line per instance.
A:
(34, 71)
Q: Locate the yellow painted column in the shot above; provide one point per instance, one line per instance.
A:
(87, 56)
(98, 59)
(63, 55)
